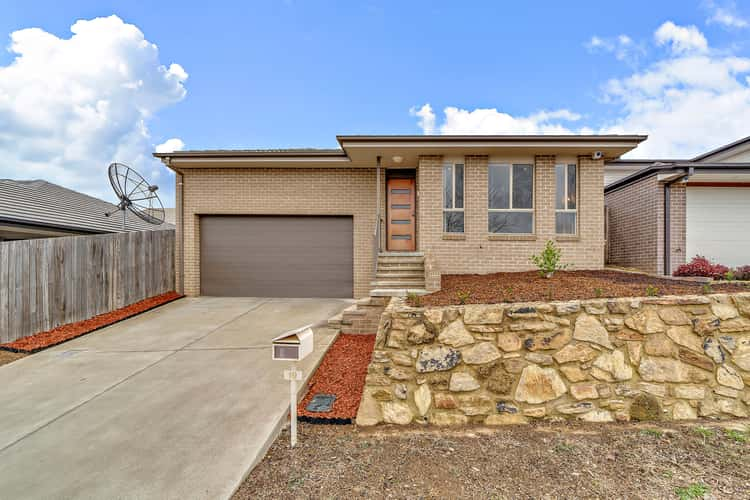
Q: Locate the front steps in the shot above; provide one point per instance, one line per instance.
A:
(399, 273)
(363, 317)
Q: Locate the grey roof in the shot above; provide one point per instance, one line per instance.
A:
(685, 165)
(41, 203)
(721, 149)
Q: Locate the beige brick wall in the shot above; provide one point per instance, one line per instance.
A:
(635, 221)
(283, 191)
(477, 251)
(636, 225)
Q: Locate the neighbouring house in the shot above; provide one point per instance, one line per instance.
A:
(662, 213)
(385, 214)
(40, 209)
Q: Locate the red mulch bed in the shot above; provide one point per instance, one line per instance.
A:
(564, 285)
(342, 373)
(63, 333)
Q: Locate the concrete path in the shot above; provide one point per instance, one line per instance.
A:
(179, 402)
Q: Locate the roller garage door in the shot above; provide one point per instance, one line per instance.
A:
(718, 224)
(277, 256)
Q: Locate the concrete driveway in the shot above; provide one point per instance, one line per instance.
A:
(179, 402)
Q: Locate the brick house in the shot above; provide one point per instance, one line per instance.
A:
(384, 214)
(661, 213)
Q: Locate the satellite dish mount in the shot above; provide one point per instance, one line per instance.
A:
(135, 195)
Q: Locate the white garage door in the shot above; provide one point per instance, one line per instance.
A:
(718, 224)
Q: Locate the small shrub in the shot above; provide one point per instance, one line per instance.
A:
(695, 490)
(548, 261)
(729, 275)
(652, 291)
(598, 292)
(414, 299)
(564, 448)
(701, 266)
(463, 296)
(742, 273)
(707, 288)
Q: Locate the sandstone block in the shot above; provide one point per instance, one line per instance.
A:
(437, 358)
(462, 381)
(538, 385)
(588, 329)
(575, 352)
(484, 352)
(455, 335)
(396, 413)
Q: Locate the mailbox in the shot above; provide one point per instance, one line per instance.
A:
(293, 345)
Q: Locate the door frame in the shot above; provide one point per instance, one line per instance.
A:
(400, 173)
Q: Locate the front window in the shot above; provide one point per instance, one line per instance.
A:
(453, 198)
(511, 199)
(565, 199)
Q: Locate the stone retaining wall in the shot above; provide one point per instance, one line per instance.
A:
(650, 358)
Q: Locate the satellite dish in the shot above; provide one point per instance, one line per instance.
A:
(135, 194)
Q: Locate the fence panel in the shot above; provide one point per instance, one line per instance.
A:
(48, 282)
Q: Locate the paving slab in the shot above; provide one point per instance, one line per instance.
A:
(128, 416)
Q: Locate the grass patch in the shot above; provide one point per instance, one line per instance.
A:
(564, 448)
(704, 432)
(652, 432)
(735, 435)
(695, 490)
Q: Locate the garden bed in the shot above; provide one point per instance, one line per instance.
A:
(64, 333)
(564, 285)
(341, 373)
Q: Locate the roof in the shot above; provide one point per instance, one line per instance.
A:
(365, 150)
(721, 149)
(41, 203)
(677, 166)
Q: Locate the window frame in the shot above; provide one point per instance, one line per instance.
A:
(452, 165)
(565, 197)
(510, 208)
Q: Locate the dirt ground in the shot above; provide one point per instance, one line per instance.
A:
(528, 461)
(564, 285)
(8, 357)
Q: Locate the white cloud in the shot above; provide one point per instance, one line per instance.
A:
(426, 118)
(725, 15)
(686, 101)
(622, 46)
(70, 106)
(681, 38)
(170, 145)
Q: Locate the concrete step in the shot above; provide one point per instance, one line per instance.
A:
(398, 284)
(399, 266)
(396, 292)
(399, 274)
(401, 254)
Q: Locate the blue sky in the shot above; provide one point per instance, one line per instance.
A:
(294, 73)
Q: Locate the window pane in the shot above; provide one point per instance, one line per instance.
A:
(499, 186)
(511, 222)
(459, 186)
(522, 186)
(565, 222)
(447, 186)
(560, 186)
(453, 222)
(571, 187)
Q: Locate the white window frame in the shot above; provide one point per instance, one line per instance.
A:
(510, 196)
(453, 208)
(565, 198)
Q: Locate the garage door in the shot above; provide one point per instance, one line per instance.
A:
(277, 256)
(718, 224)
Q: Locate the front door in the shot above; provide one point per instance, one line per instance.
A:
(401, 214)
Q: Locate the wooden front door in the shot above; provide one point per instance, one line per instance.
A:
(401, 214)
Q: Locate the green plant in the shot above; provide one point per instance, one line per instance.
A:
(414, 299)
(652, 291)
(564, 448)
(598, 292)
(548, 260)
(463, 296)
(703, 431)
(509, 291)
(729, 275)
(735, 435)
(707, 288)
(695, 490)
(652, 432)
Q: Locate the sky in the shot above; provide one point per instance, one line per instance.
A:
(85, 83)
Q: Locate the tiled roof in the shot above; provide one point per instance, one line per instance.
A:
(42, 203)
